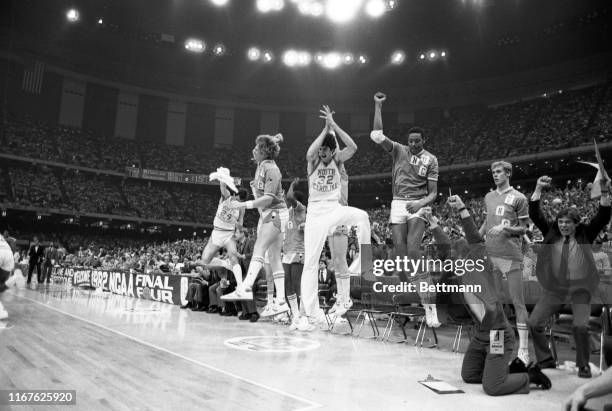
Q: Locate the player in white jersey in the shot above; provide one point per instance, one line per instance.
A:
(225, 223)
(270, 198)
(325, 213)
(7, 264)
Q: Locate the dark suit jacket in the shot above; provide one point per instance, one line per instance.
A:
(330, 280)
(585, 235)
(36, 256)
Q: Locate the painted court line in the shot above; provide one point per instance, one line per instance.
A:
(312, 405)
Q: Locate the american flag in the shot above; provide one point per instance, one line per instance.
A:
(33, 77)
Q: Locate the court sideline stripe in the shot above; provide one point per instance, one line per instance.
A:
(313, 405)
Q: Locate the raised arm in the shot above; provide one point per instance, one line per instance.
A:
(289, 198)
(535, 212)
(472, 234)
(351, 147)
(602, 218)
(377, 128)
(224, 191)
(313, 150)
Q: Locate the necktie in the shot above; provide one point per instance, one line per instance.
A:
(564, 269)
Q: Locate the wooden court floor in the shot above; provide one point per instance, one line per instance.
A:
(121, 353)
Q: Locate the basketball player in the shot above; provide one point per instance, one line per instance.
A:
(325, 213)
(293, 248)
(415, 185)
(274, 215)
(507, 217)
(225, 223)
(7, 264)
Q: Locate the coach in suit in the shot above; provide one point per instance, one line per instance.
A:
(327, 280)
(50, 257)
(36, 254)
(567, 272)
(245, 245)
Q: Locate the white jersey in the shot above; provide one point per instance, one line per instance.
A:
(325, 183)
(226, 217)
(4, 244)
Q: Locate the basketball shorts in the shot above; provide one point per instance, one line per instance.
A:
(7, 261)
(220, 238)
(399, 214)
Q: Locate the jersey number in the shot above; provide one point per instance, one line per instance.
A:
(499, 211)
(290, 225)
(422, 171)
(329, 178)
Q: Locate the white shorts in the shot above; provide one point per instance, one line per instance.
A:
(220, 238)
(399, 214)
(7, 261)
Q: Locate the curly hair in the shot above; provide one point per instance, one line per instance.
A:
(269, 145)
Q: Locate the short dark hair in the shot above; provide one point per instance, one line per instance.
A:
(570, 213)
(329, 141)
(416, 130)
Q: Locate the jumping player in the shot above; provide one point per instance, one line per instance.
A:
(415, 185)
(274, 217)
(325, 213)
(225, 223)
(507, 218)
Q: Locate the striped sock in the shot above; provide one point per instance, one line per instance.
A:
(523, 333)
(293, 304)
(343, 282)
(279, 284)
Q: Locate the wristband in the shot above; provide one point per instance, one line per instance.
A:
(249, 204)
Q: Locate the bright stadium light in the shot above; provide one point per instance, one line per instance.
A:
(304, 58)
(219, 49)
(398, 57)
(443, 54)
(375, 8)
(253, 54)
(195, 45)
(432, 55)
(422, 56)
(331, 60)
(342, 11)
(266, 6)
(290, 58)
(267, 56)
(219, 3)
(348, 58)
(100, 21)
(72, 15)
(363, 59)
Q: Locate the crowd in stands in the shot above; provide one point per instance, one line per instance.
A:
(562, 120)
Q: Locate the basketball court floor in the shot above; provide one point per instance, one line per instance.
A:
(121, 353)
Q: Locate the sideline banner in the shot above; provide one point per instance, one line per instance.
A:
(154, 286)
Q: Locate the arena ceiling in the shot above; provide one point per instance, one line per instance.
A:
(482, 37)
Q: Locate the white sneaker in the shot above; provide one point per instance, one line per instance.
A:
(3, 314)
(431, 316)
(295, 323)
(523, 355)
(241, 293)
(282, 318)
(277, 308)
(305, 325)
(267, 310)
(343, 307)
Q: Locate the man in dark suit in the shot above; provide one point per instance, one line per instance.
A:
(327, 281)
(35, 253)
(50, 256)
(566, 270)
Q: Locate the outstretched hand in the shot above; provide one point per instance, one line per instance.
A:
(328, 115)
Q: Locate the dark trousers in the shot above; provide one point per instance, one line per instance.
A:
(38, 272)
(47, 268)
(198, 294)
(293, 278)
(551, 303)
(480, 366)
(248, 306)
